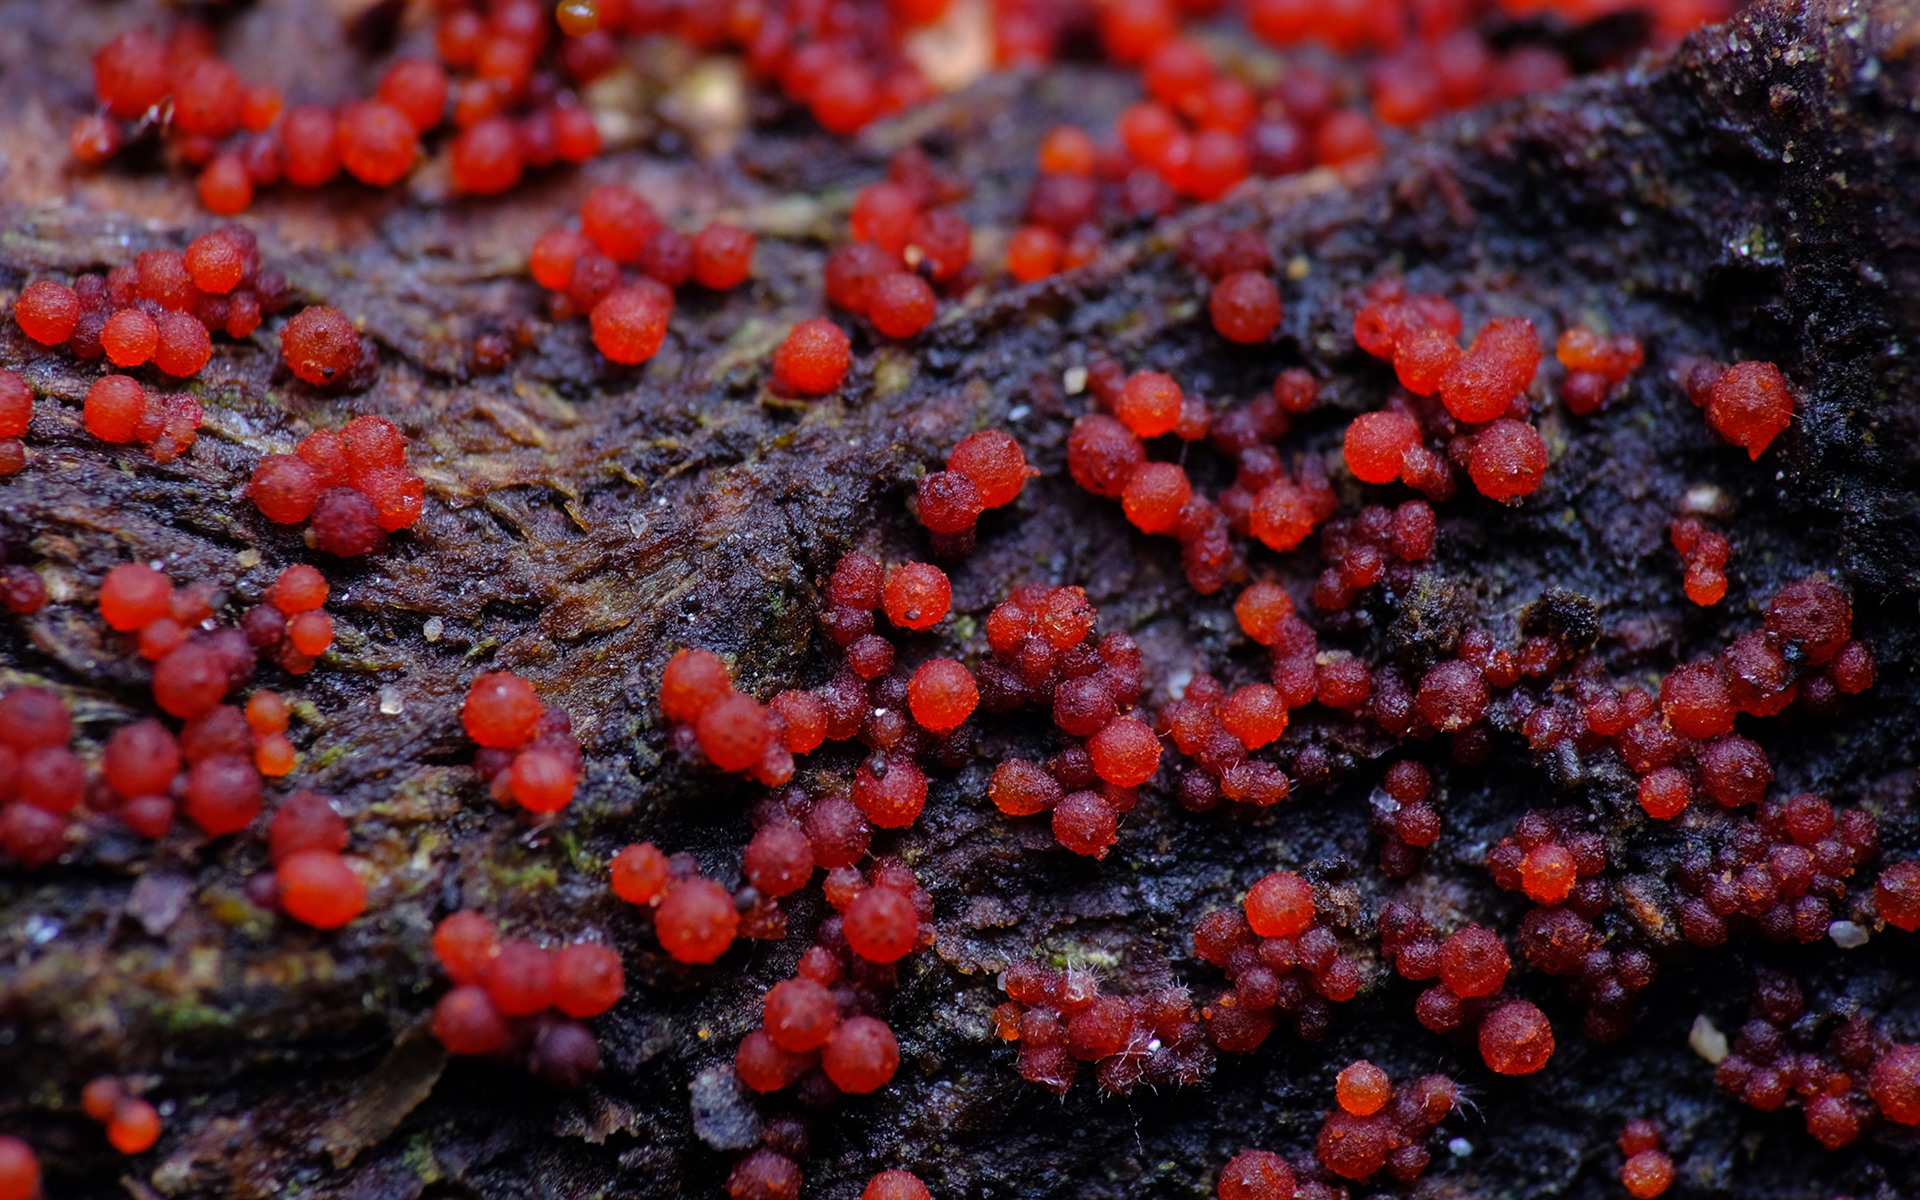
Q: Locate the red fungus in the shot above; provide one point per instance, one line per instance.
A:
(814, 358)
(1515, 1039)
(696, 920)
(861, 1055)
(1749, 405)
(319, 888)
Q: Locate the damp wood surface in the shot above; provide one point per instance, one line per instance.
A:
(1752, 196)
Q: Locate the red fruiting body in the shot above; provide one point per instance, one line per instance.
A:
(319, 888)
(543, 780)
(1280, 905)
(130, 73)
(630, 323)
(466, 1022)
(141, 759)
(880, 925)
(667, 258)
(1895, 1084)
(779, 860)
(182, 345)
(942, 694)
(1897, 895)
(722, 256)
(299, 589)
(1245, 307)
(861, 1055)
(518, 978)
(1377, 443)
(949, 502)
(694, 681)
(587, 979)
(900, 305)
(134, 1126)
(1255, 714)
(101, 1096)
(1021, 789)
(1154, 496)
(852, 271)
(190, 680)
(995, 465)
(113, 408)
(226, 186)
(501, 710)
(1125, 753)
(813, 360)
(1509, 460)
(47, 312)
(223, 793)
(895, 1185)
(917, 596)
(1085, 823)
(487, 157)
(1473, 962)
(554, 253)
(891, 796)
(800, 1015)
(321, 346)
(1694, 700)
(284, 489)
(377, 142)
(764, 1175)
(1750, 405)
(1362, 1089)
(1149, 404)
(1256, 1175)
(734, 732)
(1647, 1174)
(696, 921)
(1515, 1039)
(129, 338)
(1484, 381)
(32, 718)
(417, 88)
(1033, 253)
(465, 943)
(1263, 610)
(305, 821)
(133, 595)
(639, 873)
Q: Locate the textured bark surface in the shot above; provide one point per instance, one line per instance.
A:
(1752, 197)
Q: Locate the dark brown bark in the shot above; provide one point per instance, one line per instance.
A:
(1752, 197)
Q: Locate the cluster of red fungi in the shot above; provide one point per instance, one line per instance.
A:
(502, 94)
(1374, 1127)
(351, 485)
(488, 83)
(528, 755)
(212, 768)
(517, 998)
(1282, 960)
(159, 310)
(585, 270)
(1705, 552)
(906, 242)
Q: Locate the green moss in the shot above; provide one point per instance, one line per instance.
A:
(524, 877)
(893, 373)
(420, 1159)
(578, 856)
(1082, 958)
(190, 1015)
